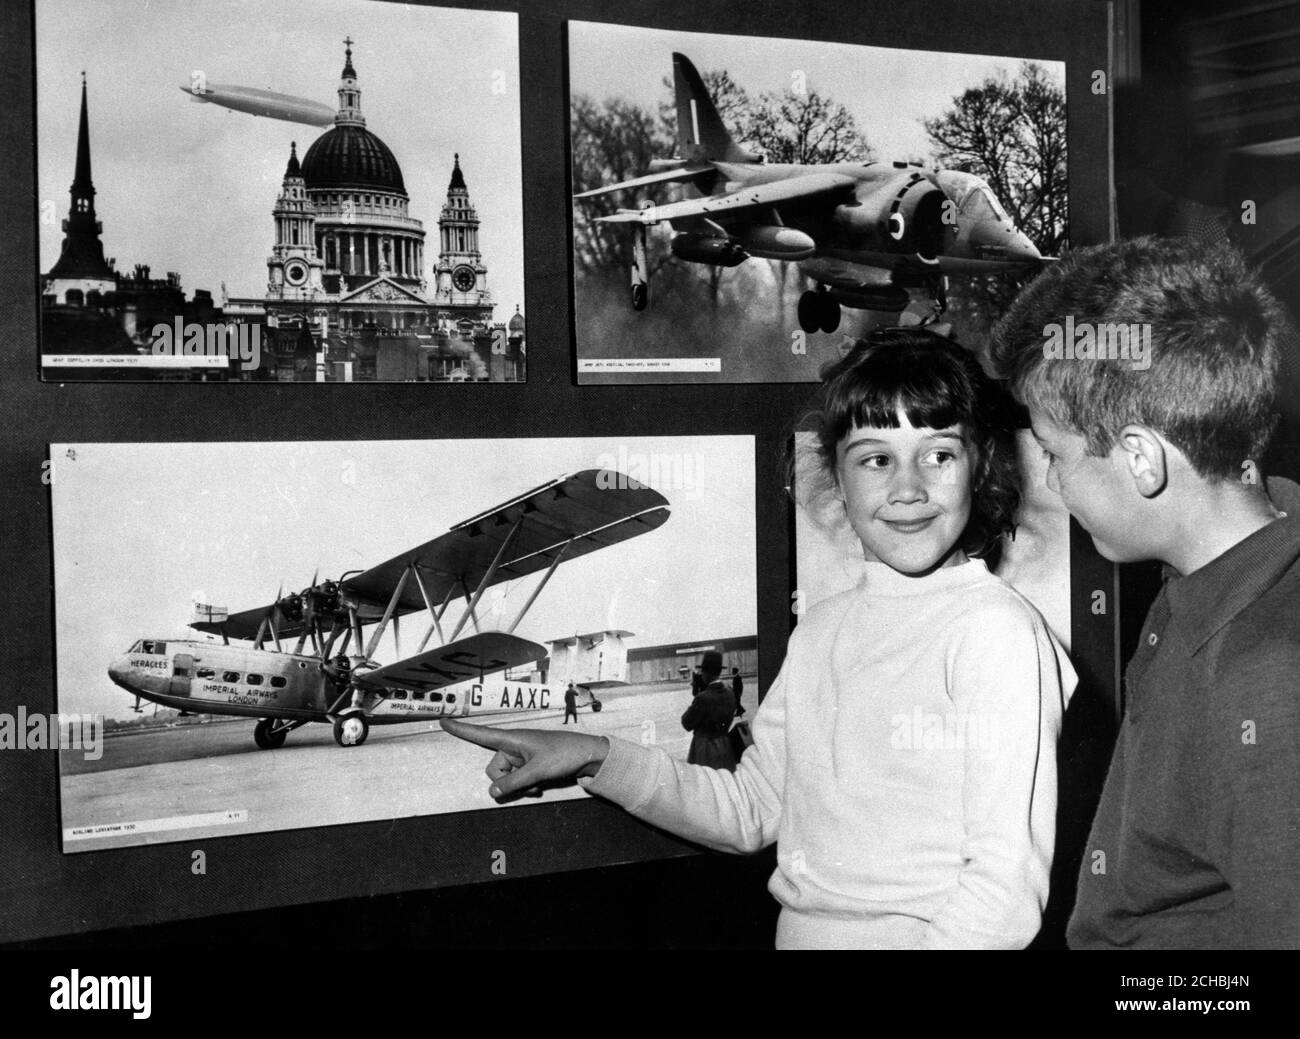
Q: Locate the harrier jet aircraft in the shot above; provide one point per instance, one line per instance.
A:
(865, 232)
(466, 674)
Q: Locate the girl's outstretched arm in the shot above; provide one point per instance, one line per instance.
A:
(729, 811)
(527, 758)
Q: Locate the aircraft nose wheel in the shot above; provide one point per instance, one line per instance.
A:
(818, 312)
(351, 731)
(640, 297)
(265, 736)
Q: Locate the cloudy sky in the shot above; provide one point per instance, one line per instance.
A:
(141, 531)
(888, 90)
(190, 187)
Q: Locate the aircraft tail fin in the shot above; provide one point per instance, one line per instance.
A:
(701, 134)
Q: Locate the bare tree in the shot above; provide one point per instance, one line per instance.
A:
(805, 127)
(612, 142)
(1010, 131)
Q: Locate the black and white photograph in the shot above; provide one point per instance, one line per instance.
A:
(286, 623)
(745, 206)
(859, 508)
(242, 191)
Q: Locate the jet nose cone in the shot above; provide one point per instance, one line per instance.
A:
(1021, 250)
(997, 241)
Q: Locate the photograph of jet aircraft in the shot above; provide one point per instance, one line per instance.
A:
(320, 706)
(864, 202)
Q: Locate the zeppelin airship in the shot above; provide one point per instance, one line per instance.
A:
(262, 102)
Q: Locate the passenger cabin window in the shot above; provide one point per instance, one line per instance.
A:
(399, 694)
(205, 672)
(418, 694)
(230, 676)
(435, 698)
(254, 679)
(278, 682)
(451, 697)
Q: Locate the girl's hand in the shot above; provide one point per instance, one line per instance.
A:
(525, 759)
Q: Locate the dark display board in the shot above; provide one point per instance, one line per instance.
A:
(44, 890)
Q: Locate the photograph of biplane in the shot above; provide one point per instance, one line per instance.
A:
(751, 203)
(554, 555)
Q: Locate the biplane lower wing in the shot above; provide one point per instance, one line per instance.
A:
(472, 657)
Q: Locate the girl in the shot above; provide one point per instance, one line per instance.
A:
(904, 758)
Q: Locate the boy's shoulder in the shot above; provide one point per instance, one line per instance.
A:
(1258, 651)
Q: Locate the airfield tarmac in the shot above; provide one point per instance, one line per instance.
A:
(212, 781)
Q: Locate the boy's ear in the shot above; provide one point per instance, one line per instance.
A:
(1144, 454)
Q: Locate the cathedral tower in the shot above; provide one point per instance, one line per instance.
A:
(460, 277)
(81, 275)
(294, 268)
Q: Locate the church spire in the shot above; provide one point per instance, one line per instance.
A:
(457, 178)
(349, 92)
(83, 252)
(81, 182)
(294, 169)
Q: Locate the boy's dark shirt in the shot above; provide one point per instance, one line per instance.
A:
(1199, 820)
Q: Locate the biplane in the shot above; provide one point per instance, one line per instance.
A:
(319, 681)
(866, 233)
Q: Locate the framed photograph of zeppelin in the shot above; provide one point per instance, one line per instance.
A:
(217, 205)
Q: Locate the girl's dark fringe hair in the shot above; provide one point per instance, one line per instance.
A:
(936, 384)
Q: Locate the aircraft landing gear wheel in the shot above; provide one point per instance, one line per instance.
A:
(809, 312)
(351, 731)
(640, 297)
(265, 738)
(596, 706)
(828, 313)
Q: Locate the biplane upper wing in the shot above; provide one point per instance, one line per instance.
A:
(245, 624)
(587, 511)
(569, 516)
(471, 657)
(777, 192)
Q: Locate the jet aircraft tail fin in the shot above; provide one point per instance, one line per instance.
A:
(701, 134)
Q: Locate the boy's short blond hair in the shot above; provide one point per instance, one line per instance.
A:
(1210, 381)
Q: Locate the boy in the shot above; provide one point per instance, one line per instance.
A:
(1148, 368)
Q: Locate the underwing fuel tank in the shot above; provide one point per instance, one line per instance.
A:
(702, 248)
(777, 243)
